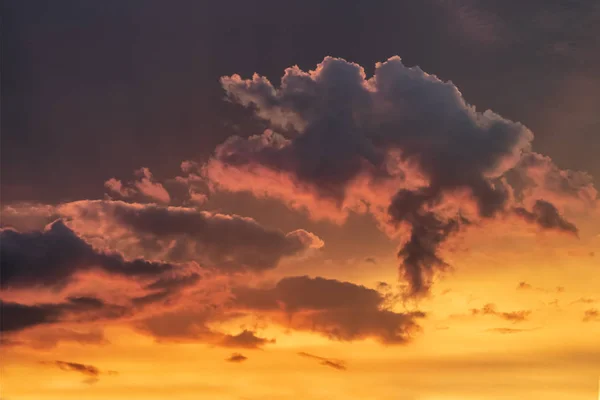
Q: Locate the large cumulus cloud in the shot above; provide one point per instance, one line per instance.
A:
(403, 145)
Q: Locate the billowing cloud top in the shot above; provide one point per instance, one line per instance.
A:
(403, 145)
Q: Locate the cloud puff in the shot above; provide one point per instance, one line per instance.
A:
(145, 186)
(53, 256)
(236, 358)
(196, 184)
(246, 339)
(89, 370)
(92, 372)
(328, 362)
(338, 310)
(227, 242)
(402, 145)
(591, 315)
(116, 186)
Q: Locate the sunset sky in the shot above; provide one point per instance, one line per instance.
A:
(249, 200)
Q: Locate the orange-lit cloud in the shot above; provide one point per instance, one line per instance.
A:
(413, 142)
(146, 186)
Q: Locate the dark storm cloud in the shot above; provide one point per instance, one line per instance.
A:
(420, 253)
(335, 364)
(236, 358)
(347, 121)
(333, 125)
(228, 242)
(512, 316)
(16, 317)
(339, 310)
(246, 339)
(53, 256)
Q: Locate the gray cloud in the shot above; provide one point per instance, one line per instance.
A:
(16, 317)
(53, 256)
(227, 242)
(546, 216)
(145, 187)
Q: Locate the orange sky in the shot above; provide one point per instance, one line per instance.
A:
(553, 353)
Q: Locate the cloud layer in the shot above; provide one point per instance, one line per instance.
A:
(227, 242)
(339, 310)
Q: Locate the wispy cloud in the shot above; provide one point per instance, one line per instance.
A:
(328, 362)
